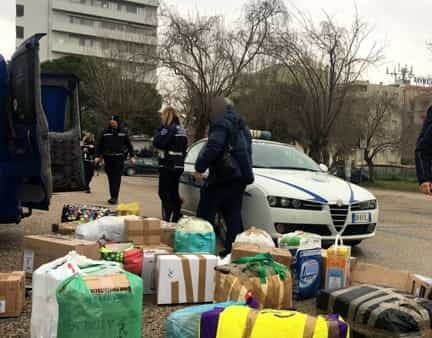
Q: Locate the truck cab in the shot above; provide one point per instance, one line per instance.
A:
(39, 134)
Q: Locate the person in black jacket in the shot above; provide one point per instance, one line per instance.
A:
(171, 141)
(88, 152)
(114, 144)
(228, 157)
(423, 155)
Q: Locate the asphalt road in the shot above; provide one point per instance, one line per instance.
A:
(403, 241)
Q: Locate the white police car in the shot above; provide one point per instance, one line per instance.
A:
(292, 192)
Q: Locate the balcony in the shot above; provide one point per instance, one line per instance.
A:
(103, 33)
(68, 47)
(154, 3)
(110, 13)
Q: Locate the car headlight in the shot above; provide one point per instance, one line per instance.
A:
(368, 205)
(285, 203)
(273, 201)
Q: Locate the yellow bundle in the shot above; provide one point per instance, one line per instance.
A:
(243, 322)
(128, 209)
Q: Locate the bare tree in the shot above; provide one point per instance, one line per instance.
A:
(379, 132)
(117, 86)
(208, 56)
(324, 60)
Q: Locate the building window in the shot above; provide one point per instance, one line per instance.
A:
(131, 8)
(20, 32)
(19, 11)
(105, 4)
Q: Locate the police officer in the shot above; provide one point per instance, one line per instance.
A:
(113, 146)
(228, 156)
(171, 141)
(423, 155)
(88, 151)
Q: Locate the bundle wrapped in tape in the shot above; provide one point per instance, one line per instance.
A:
(256, 237)
(185, 323)
(238, 320)
(252, 323)
(379, 312)
(269, 282)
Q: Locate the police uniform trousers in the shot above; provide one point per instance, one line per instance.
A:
(89, 168)
(114, 166)
(169, 180)
(227, 199)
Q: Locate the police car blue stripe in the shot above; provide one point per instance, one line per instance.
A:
(352, 198)
(316, 197)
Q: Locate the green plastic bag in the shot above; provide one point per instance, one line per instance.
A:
(112, 314)
(195, 242)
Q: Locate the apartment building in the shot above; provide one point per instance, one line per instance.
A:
(112, 29)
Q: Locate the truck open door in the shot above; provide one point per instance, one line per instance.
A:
(60, 101)
(28, 142)
(26, 178)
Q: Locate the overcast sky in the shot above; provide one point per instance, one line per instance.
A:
(404, 26)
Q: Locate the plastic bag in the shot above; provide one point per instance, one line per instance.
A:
(124, 209)
(46, 278)
(257, 237)
(185, 323)
(194, 235)
(102, 313)
(109, 228)
(194, 224)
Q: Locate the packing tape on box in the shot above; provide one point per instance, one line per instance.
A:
(250, 322)
(187, 275)
(309, 329)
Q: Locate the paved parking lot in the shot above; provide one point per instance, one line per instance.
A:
(404, 240)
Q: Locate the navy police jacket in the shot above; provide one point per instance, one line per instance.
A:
(230, 129)
(172, 142)
(114, 142)
(423, 152)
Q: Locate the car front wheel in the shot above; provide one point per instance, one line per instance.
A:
(131, 172)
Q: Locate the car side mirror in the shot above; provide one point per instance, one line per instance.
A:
(324, 168)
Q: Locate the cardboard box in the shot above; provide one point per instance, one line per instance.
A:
(281, 256)
(12, 294)
(417, 285)
(145, 231)
(104, 284)
(185, 279)
(167, 233)
(67, 228)
(149, 266)
(421, 286)
(41, 249)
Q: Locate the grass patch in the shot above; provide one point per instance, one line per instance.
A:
(397, 185)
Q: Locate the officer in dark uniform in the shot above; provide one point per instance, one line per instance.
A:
(171, 141)
(228, 157)
(88, 151)
(114, 145)
(423, 155)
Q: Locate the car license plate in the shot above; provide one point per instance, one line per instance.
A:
(361, 218)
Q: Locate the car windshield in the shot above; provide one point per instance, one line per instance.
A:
(276, 156)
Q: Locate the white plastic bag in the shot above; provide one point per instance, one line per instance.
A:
(194, 225)
(44, 315)
(257, 237)
(109, 228)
